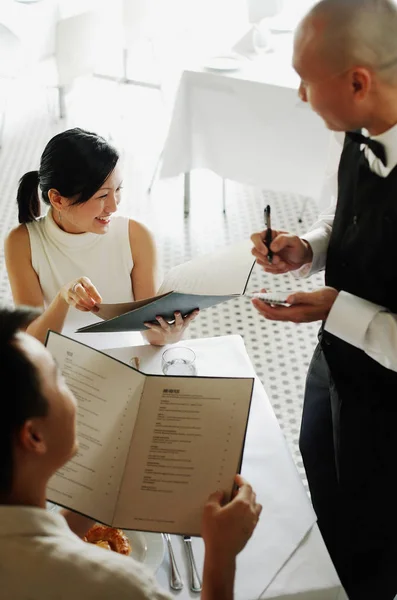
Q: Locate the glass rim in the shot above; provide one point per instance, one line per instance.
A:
(175, 349)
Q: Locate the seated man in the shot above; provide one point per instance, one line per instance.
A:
(41, 555)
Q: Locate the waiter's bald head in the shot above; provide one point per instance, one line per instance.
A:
(349, 33)
(345, 52)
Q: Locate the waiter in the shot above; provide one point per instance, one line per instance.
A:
(345, 52)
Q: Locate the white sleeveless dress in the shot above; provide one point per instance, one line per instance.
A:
(59, 257)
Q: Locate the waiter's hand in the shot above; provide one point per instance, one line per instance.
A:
(290, 252)
(305, 306)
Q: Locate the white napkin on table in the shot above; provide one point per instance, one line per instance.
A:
(256, 36)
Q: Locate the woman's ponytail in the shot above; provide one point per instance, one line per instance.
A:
(28, 197)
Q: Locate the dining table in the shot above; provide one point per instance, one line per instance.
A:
(241, 118)
(286, 558)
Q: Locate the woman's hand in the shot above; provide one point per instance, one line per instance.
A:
(169, 333)
(81, 294)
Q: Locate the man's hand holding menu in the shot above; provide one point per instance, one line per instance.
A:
(151, 448)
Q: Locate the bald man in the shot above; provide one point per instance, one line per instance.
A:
(345, 53)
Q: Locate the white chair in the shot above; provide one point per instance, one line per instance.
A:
(10, 64)
(140, 29)
(76, 40)
(262, 9)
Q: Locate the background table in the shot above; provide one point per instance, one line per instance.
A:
(286, 557)
(248, 126)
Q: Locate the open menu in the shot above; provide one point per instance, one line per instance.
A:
(152, 448)
(200, 283)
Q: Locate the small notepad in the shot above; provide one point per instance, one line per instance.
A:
(277, 298)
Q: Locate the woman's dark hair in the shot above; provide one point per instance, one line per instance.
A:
(75, 163)
(22, 395)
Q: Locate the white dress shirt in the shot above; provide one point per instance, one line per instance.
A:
(42, 559)
(368, 326)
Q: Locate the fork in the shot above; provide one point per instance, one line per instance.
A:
(195, 582)
(176, 582)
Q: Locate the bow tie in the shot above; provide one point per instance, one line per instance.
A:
(377, 148)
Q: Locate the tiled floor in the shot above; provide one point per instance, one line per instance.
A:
(279, 352)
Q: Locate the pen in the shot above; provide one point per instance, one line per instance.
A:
(268, 235)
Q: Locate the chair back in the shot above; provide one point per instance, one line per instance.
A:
(261, 9)
(11, 56)
(76, 46)
(150, 19)
(135, 21)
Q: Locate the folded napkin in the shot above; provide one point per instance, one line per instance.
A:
(256, 40)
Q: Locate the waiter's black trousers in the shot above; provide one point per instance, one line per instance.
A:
(367, 573)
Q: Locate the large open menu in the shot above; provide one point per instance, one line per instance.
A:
(152, 448)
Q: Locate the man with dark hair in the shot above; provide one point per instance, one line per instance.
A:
(41, 557)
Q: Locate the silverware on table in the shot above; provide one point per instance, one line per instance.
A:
(176, 582)
(195, 581)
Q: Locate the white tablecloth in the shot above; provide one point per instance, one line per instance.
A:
(248, 126)
(286, 557)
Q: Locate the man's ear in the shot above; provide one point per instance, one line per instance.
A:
(361, 81)
(31, 437)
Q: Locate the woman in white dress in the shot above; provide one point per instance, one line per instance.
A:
(80, 253)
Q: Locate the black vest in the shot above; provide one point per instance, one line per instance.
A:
(362, 260)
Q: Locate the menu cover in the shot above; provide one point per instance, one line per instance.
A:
(200, 283)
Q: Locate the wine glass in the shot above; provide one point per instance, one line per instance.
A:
(262, 37)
